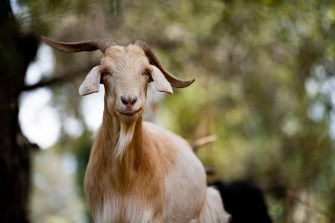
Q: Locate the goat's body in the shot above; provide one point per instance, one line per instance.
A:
(139, 173)
(158, 180)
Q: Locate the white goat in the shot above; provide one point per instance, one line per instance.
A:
(139, 172)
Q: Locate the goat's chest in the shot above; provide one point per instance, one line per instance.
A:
(139, 202)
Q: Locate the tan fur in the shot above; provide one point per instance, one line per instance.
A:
(139, 172)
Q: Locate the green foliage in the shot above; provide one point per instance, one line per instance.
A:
(264, 72)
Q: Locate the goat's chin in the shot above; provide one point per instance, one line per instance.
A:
(129, 118)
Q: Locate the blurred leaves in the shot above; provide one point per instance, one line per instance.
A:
(264, 82)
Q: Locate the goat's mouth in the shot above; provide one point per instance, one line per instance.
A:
(129, 113)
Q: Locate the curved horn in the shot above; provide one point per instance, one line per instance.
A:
(73, 47)
(174, 81)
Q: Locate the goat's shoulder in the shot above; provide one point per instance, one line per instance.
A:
(163, 137)
(165, 146)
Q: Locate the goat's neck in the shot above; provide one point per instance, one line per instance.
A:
(136, 160)
(130, 153)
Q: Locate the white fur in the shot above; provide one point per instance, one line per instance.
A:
(132, 212)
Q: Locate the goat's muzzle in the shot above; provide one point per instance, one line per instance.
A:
(129, 108)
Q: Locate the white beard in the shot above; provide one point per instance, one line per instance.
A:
(125, 138)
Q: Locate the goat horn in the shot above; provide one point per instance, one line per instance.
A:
(174, 81)
(72, 47)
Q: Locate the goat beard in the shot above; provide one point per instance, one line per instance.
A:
(125, 138)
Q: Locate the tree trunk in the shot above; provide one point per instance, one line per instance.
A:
(16, 52)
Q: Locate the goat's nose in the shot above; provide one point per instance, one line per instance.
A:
(128, 101)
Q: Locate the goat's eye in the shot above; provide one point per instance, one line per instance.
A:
(147, 73)
(105, 74)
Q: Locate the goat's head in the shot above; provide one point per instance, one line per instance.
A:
(125, 73)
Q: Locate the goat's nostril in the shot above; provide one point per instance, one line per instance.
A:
(124, 100)
(128, 101)
(133, 101)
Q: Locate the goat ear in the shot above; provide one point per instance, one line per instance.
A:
(160, 81)
(91, 83)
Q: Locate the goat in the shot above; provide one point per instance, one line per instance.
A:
(137, 171)
(244, 201)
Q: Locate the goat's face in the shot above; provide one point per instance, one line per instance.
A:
(125, 73)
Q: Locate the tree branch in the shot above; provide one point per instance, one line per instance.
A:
(59, 78)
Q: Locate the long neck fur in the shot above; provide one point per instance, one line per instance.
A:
(125, 158)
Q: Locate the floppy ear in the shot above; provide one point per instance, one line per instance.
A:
(160, 81)
(91, 83)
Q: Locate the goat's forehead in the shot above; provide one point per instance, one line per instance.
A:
(130, 53)
(119, 59)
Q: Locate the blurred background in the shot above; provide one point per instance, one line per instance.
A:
(265, 86)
